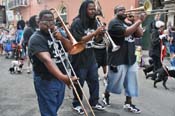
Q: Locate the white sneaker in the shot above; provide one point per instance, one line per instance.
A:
(79, 109)
(132, 108)
(98, 107)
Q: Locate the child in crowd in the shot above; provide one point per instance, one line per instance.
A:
(138, 54)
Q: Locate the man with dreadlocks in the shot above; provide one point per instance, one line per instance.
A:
(84, 29)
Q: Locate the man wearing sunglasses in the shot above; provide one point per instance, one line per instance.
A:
(48, 71)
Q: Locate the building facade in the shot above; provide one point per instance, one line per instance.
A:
(170, 6)
(68, 9)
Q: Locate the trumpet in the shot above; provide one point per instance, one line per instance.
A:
(60, 53)
(106, 34)
(77, 47)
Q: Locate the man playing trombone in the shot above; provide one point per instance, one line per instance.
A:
(49, 75)
(122, 63)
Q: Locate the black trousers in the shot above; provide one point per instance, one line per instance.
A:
(156, 62)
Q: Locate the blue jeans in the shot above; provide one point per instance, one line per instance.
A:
(126, 78)
(90, 75)
(50, 95)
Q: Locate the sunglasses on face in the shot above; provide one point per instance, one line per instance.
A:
(130, 16)
(48, 22)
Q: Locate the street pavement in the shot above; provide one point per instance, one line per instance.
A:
(18, 98)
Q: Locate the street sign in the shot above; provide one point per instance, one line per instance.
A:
(10, 15)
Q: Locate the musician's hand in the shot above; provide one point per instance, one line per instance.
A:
(142, 16)
(68, 82)
(57, 35)
(100, 30)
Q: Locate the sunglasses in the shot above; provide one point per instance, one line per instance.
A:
(48, 22)
(130, 16)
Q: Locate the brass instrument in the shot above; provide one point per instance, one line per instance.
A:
(167, 12)
(60, 53)
(77, 46)
(147, 7)
(108, 37)
(106, 34)
(160, 10)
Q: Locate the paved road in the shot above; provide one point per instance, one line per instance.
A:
(18, 98)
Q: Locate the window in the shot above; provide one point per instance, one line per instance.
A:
(38, 1)
(63, 14)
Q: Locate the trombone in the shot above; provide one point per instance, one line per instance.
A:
(147, 7)
(60, 53)
(77, 46)
(167, 12)
(159, 10)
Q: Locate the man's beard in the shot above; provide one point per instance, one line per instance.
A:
(122, 17)
(45, 32)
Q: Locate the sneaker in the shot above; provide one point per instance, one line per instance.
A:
(105, 99)
(131, 108)
(98, 107)
(79, 109)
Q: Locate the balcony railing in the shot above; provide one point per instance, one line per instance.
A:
(169, 1)
(17, 3)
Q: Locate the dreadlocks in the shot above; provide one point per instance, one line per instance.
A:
(85, 20)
